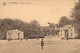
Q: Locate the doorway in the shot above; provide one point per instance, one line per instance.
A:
(66, 34)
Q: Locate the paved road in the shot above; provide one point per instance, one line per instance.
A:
(33, 46)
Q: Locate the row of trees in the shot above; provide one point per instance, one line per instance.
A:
(31, 30)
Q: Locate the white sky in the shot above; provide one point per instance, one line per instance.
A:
(43, 11)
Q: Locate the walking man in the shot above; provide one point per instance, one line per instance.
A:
(21, 39)
(42, 44)
(26, 38)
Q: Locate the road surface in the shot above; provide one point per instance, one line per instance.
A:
(34, 46)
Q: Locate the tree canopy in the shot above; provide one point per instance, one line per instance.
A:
(75, 13)
(65, 21)
(32, 29)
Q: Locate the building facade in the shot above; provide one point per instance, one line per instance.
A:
(68, 31)
(15, 34)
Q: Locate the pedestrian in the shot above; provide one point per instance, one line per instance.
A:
(21, 39)
(42, 44)
(67, 37)
(26, 38)
(8, 39)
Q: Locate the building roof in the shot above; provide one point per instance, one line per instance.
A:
(15, 30)
(66, 27)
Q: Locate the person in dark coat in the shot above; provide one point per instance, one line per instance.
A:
(8, 39)
(42, 44)
(21, 39)
(26, 38)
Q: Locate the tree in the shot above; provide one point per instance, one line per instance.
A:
(75, 13)
(5, 25)
(65, 21)
(35, 29)
(45, 30)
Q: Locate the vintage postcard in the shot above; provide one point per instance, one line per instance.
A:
(39, 26)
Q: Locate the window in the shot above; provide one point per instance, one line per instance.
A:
(71, 34)
(9, 34)
(61, 30)
(18, 35)
(61, 34)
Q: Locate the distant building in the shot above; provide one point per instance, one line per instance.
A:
(68, 31)
(15, 34)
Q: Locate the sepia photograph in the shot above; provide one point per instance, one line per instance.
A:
(39, 26)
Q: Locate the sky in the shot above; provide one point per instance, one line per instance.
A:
(43, 11)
